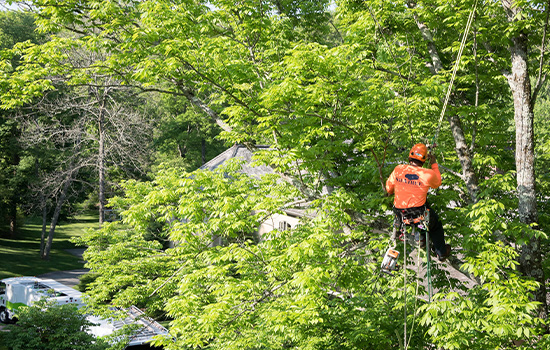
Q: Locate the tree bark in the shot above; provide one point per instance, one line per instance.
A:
(436, 66)
(43, 206)
(206, 109)
(465, 157)
(71, 172)
(57, 212)
(44, 226)
(530, 253)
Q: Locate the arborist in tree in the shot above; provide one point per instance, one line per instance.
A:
(410, 183)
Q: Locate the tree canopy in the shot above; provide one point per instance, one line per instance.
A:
(339, 93)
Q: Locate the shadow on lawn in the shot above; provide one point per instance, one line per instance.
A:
(21, 256)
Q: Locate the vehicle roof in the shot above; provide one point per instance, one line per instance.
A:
(44, 284)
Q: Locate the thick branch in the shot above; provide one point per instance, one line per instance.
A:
(436, 66)
(206, 109)
(194, 100)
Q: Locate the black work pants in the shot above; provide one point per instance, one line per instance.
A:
(436, 232)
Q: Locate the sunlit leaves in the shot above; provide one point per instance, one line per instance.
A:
(335, 107)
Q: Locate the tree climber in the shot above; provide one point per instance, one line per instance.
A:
(410, 183)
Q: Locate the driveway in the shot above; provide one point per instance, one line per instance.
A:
(68, 278)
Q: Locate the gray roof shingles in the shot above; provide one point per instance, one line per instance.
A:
(239, 152)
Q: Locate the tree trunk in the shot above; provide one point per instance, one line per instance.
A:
(55, 218)
(71, 172)
(43, 206)
(44, 225)
(464, 156)
(206, 109)
(530, 253)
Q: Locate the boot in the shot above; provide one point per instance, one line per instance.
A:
(446, 254)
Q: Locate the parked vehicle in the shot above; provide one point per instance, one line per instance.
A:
(16, 292)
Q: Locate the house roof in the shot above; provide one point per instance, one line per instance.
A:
(245, 153)
(239, 152)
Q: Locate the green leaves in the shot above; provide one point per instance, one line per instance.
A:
(489, 316)
(336, 97)
(48, 326)
(309, 286)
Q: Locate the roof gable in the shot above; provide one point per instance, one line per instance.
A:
(240, 152)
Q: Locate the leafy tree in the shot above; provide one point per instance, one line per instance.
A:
(49, 326)
(185, 137)
(335, 114)
(17, 27)
(77, 130)
(9, 179)
(312, 287)
(16, 169)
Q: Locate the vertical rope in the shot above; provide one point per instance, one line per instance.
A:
(405, 283)
(429, 275)
(416, 292)
(455, 68)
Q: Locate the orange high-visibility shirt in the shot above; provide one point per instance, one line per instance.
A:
(411, 184)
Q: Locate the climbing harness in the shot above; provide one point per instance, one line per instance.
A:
(419, 225)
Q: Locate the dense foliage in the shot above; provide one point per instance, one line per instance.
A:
(49, 326)
(15, 163)
(339, 94)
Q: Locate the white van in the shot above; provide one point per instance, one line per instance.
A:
(16, 292)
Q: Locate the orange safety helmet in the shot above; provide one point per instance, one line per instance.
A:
(419, 152)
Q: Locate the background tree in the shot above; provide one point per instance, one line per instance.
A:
(524, 100)
(120, 151)
(84, 134)
(185, 137)
(15, 27)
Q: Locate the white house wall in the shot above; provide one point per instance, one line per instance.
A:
(275, 221)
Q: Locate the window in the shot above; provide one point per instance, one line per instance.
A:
(2, 294)
(283, 226)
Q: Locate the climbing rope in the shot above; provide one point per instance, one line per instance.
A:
(405, 342)
(455, 69)
(405, 286)
(428, 268)
(416, 293)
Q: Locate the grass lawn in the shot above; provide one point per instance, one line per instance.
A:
(21, 256)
